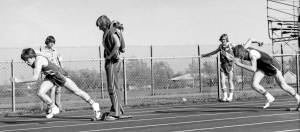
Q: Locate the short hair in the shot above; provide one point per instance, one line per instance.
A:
(28, 53)
(224, 35)
(239, 51)
(103, 21)
(50, 39)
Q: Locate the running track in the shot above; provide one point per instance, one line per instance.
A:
(214, 117)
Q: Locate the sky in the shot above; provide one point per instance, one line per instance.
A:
(26, 23)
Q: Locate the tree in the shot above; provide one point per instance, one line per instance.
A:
(138, 73)
(162, 73)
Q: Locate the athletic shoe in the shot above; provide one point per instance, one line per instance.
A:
(96, 109)
(110, 118)
(230, 98)
(52, 111)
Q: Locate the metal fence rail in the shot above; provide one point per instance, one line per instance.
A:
(143, 81)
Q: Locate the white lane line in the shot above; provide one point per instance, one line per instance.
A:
(84, 116)
(163, 108)
(198, 121)
(149, 119)
(241, 125)
(292, 130)
(216, 104)
(61, 120)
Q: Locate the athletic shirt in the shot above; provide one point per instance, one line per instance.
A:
(52, 54)
(52, 70)
(265, 63)
(226, 48)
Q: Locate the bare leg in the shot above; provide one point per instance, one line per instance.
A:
(74, 88)
(223, 86)
(284, 86)
(44, 88)
(58, 97)
(42, 93)
(257, 77)
(52, 93)
(231, 86)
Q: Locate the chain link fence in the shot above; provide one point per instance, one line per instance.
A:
(147, 80)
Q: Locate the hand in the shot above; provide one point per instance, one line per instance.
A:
(260, 44)
(237, 62)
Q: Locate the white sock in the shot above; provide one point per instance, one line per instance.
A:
(231, 95)
(297, 96)
(225, 95)
(269, 97)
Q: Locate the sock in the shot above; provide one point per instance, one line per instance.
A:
(297, 96)
(225, 95)
(230, 94)
(91, 101)
(268, 96)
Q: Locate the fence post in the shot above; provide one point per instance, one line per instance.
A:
(199, 65)
(218, 74)
(101, 79)
(13, 92)
(282, 63)
(124, 81)
(242, 76)
(151, 69)
(297, 71)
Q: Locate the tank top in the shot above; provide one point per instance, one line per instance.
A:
(265, 63)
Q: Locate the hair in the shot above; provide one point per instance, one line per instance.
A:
(105, 22)
(239, 51)
(118, 25)
(224, 35)
(28, 53)
(50, 39)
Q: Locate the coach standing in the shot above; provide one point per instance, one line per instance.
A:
(113, 44)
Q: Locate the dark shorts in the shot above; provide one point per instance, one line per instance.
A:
(226, 67)
(270, 69)
(58, 79)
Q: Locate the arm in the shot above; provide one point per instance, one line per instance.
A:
(115, 50)
(211, 53)
(250, 41)
(36, 73)
(59, 59)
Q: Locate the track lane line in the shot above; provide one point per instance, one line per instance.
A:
(241, 125)
(198, 121)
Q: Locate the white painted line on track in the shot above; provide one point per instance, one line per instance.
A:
(217, 103)
(85, 116)
(241, 125)
(156, 109)
(198, 121)
(149, 119)
(292, 130)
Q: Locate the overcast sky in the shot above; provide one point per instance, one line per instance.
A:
(25, 23)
